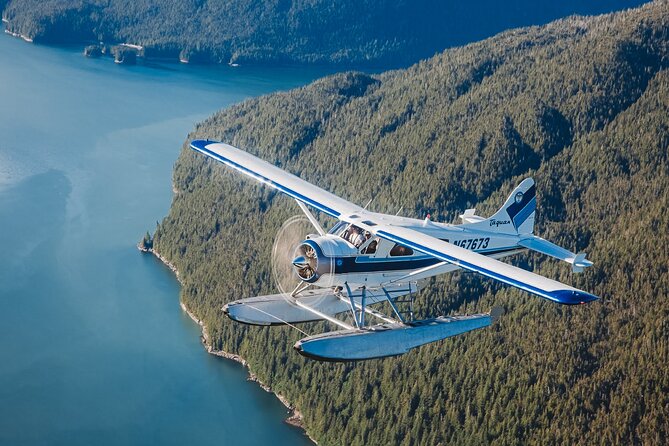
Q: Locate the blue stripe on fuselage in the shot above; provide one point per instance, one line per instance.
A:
(347, 265)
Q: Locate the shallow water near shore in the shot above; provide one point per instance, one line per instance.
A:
(94, 346)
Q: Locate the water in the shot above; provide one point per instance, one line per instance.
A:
(94, 347)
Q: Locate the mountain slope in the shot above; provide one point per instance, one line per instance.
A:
(393, 32)
(582, 105)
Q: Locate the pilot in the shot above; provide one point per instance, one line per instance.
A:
(357, 238)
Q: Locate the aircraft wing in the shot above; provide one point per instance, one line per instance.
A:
(525, 280)
(346, 211)
(276, 178)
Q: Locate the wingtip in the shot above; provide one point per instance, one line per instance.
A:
(573, 297)
(199, 144)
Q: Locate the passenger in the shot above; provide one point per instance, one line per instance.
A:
(371, 248)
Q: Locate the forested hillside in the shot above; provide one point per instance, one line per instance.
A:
(379, 32)
(582, 105)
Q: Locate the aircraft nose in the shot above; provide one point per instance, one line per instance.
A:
(300, 262)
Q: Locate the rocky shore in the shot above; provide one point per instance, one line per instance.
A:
(20, 36)
(295, 418)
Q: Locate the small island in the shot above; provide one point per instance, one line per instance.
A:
(93, 51)
(124, 55)
(146, 243)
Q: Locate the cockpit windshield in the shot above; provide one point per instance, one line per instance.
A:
(351, 233)
(338, 228)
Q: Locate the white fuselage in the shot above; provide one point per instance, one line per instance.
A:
(378, 262)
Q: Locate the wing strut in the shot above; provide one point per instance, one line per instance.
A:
(311, 218)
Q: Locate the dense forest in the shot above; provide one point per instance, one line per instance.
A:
(360, 32)
(582, 105)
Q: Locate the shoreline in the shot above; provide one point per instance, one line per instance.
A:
(295, 418)
(20, 36)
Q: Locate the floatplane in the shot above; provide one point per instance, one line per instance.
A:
(368, 259)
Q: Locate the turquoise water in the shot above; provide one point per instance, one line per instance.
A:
(94, 348)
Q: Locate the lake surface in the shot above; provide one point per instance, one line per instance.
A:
(94, 348)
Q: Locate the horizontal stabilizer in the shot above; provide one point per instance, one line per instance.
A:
(469, 216)
(379, 341)
(577, 261)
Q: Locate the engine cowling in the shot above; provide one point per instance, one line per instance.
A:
(315, 258)
(310, 263)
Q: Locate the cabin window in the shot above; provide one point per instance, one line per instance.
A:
(400, 250)
(371, 248)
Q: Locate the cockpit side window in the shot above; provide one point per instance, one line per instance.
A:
(399, 250)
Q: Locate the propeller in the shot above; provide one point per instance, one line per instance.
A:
(306, 262)
(292, 260)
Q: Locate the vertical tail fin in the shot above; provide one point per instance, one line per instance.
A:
(516, 216)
